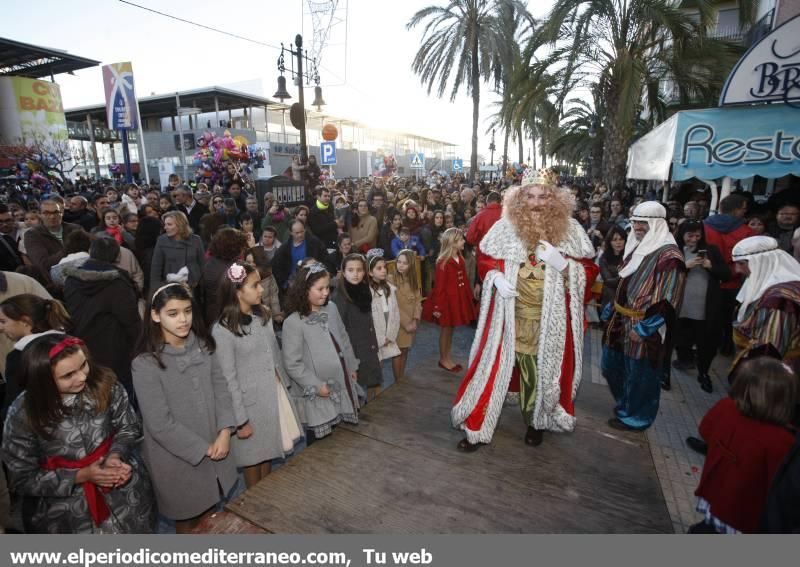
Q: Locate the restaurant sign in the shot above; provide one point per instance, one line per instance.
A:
(737, 142)
(769, 71)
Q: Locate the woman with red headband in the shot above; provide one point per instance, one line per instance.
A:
(69, 445)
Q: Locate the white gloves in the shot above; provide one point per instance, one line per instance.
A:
(504, 287)
(181, 277)
(550, 255)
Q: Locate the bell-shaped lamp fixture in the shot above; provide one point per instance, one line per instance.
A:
(318, 102)
(282, 94)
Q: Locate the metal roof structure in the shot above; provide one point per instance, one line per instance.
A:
(36, 62)
(165, 105)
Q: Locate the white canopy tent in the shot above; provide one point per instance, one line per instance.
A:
(651, 156)
(755, 130)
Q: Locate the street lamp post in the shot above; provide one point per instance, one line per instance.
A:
(491, 161)
(310, 75)
(181, 112)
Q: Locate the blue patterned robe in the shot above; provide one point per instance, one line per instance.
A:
(647, 299)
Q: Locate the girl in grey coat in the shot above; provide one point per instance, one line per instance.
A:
(186, 409)
(318, 356)
(248, 354)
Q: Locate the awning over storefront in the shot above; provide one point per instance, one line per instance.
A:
(651, 156)
(717, 142)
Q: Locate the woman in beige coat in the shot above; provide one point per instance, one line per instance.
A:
(409, 303)
(364, 228)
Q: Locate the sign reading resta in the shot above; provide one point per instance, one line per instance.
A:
(737, 142)
(702, 138)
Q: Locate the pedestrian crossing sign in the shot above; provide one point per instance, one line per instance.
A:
(418, 161)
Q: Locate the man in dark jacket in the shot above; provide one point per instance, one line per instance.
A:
(80, 214)
(321, 219)
(102, 301)
(787, 219)
(45, 243)
(240, 197)
(294, 250)
(724, 230)
(10, 258)
(185, 203)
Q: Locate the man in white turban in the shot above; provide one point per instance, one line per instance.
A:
(636, 346)
(769, 311)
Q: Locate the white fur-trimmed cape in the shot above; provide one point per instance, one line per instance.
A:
(503, 243)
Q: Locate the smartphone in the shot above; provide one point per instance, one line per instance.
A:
(701, 254)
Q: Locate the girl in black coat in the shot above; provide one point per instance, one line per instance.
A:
(353, 298)
(700, 320)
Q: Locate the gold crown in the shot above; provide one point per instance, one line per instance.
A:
(542, 176)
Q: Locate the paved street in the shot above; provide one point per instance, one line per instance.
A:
(657, 470)
(681, 410)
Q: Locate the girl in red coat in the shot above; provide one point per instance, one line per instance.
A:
(748, 437)
(450, 303)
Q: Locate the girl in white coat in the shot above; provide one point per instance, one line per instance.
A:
(385, 312)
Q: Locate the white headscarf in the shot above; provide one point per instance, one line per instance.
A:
(655, 215)
(769, 266)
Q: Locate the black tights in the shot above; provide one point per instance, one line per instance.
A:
(690, 333)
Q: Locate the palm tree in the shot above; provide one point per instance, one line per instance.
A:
(514, 27)
(529, 106)
(630, 47)
(579, 137)
(459, 47)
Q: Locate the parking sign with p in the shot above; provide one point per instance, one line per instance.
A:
(327, 152)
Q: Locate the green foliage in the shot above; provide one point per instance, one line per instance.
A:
(463, 44)
(628, 49)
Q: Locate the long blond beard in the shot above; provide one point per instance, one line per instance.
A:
(550, 225)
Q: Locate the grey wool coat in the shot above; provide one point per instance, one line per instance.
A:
(253, 368)
(311, 360)
(184, 407)
(172, 254)
(52, 502)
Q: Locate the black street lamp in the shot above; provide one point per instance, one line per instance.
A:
(298, 110)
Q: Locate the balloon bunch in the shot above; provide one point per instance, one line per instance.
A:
(215, 152)
(33, 173)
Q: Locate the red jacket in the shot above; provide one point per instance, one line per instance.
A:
(724, 231)
(451, 296)
(481, 224)
(743, 456)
